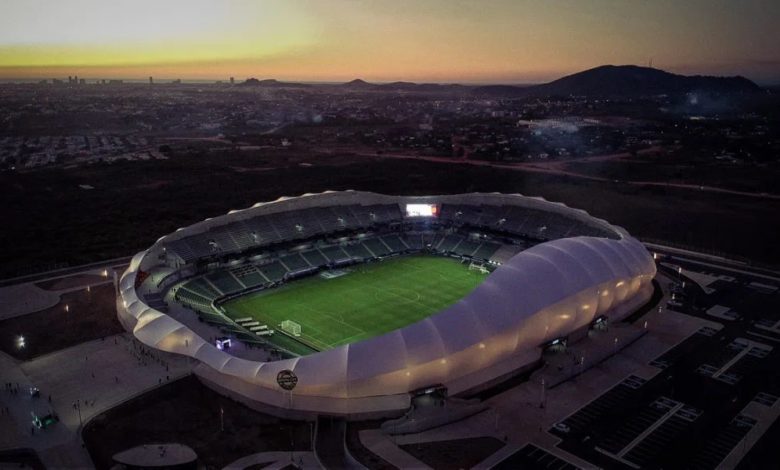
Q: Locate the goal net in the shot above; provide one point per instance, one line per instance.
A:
(478, 267)
(291, 327)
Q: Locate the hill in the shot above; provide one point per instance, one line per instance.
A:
(359, 84)
(627, 80)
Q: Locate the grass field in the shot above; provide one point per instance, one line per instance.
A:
(372, 299)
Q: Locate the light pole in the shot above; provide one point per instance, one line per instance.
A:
(78, 407)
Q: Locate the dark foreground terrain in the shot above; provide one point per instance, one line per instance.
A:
(49, 220)
(187, 412)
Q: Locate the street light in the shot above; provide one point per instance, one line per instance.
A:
(20, 343)
(78, 407)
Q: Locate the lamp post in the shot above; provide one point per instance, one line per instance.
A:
(78, 407)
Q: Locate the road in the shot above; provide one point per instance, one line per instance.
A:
(557, 167)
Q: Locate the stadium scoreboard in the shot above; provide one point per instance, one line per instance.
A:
(422, 210)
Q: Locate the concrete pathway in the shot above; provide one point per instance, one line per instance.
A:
(277, 460)
(380, 443)
(21, 299)
(97, 375)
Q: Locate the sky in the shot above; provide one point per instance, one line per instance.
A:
(479, 41)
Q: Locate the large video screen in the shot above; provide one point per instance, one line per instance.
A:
(422, 210)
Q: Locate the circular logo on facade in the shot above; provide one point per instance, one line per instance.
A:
(287, 379)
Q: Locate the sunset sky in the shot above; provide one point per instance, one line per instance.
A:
(420, 40)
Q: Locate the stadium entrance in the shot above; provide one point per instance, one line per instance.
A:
(555, 346)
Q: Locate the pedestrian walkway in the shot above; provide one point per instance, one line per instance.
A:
(77, 384)
(380, 443)
(276, 460)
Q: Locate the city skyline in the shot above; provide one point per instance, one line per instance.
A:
(433, 41)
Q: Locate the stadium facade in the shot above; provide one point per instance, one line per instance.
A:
(555, 272)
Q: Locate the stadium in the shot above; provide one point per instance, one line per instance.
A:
(350, 303)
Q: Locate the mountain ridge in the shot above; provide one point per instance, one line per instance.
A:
(603, 81)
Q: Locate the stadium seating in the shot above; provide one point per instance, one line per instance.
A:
(414, 241)
(335, 254)
(357, 251)
(447, 235)
(533, 223)
(394, 243)
(192, 299)
(466, 248)
(449, 243)
(295, 263)
(486, 250)
(274, 272)
(225, 282)
(292, 225)
(249, 276)
(315, 258)
(376, 247)
(203, 288)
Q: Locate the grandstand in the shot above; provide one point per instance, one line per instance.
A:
(265, 231)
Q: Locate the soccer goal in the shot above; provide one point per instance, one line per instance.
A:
(478, 267)
(291, 327)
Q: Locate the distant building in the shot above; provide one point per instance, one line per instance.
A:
(232, 81)
(151, 81)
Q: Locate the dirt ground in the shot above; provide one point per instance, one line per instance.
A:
(188, 412)
(71, 281)
(442, 454)
(195, 188)
(91, 315)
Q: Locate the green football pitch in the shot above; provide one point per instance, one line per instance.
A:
(371, 299)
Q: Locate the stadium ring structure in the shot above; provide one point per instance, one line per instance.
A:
(555, 271)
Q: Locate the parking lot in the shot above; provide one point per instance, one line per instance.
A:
(532, 457)
(701, 405)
